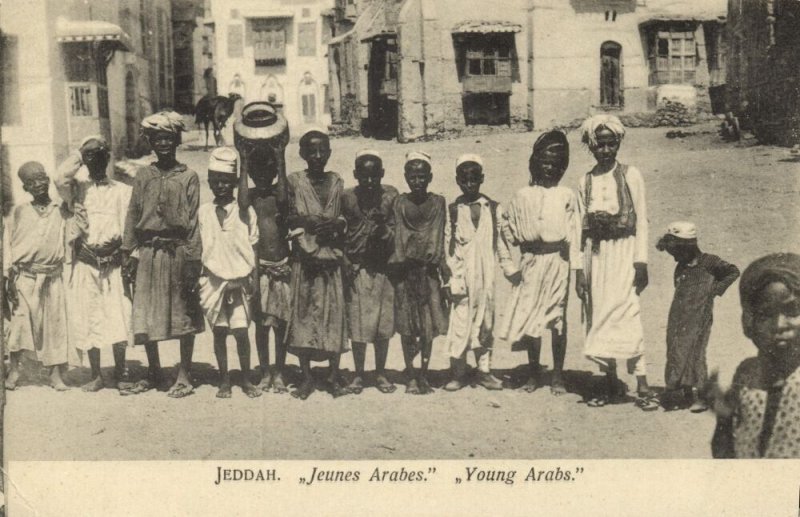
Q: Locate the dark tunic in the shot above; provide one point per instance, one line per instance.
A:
(317, 323)
(691, 316)
(368, 246)
(162, 224)
(418, 258)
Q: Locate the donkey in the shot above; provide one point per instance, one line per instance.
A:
(215, 110)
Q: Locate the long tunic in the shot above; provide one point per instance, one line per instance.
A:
(550, 216)
(750, 434)
(418, 255)
(38, 243)
(318, 322)
(164, 205)
(472, 264)
(690, 317)
(102, 317)
(368, 245)
(614, 326)
(228, 256)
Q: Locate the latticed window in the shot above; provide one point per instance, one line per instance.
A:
(80, 100)
(673, 57)
(307, 39)
(269, 41)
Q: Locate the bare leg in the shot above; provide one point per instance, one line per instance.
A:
(642, 388)
(96, 384)
(154, 377)
(381, 353)
(278, 383)
(183, 382)
(534, 351)
(56, 379)
(557, 387)
(483, 357)
(337, 390)
(221, 352)
(409, 353)
(13, 370)
(262, 348)
(612, 380)
(424, 386)
(359, 357)
(307, 387)
(243, 348)
(121, 377)
(458, 367)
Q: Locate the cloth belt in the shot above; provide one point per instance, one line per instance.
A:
(168, 244)
(102, 261)
(277, 270)
(542, 248)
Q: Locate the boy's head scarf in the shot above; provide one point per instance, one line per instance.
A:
(168, 121)
(94, 142)
(592, 124)
(553, 138)
(778, 267)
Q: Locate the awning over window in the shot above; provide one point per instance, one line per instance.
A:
(486, 27)
(80, 31)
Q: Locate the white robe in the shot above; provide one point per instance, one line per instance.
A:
(616, 326)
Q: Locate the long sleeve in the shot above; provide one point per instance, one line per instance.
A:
(725, 274)
(194, 248)
(574, 229)
(503, 249)
(636, 186)
(129, 239)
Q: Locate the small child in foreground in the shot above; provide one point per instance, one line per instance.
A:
(759, 416)
(228, 230)
(699, 278)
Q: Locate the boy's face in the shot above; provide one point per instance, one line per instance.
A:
(605, 152)
(163, 143)
(222, 185)
(369, 172)
(682, 253)
(547, 167)
(261, 167)
(316, 152)
(469, 177)
(37, 186)
(418, 176)
(96, 161)
(774, 324)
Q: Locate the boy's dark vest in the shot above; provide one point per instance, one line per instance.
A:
(454, 219)
(600, 226)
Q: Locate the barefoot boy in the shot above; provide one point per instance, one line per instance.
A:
(163, 247)
(40, 232)
(419, 262)
(471, 258)
(369, 243)
(317, 328)
(100, 311)
(263, 158)
(699, 278)
(228, 232)
(544, 220)
(759, 417)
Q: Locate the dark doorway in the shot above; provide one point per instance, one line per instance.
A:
(382, 89)
(131, 118)
(611, 91)
(486, 108)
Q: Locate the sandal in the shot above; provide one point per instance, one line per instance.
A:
(647, 402)
(597, 401)
(138, 387)
(180, 391)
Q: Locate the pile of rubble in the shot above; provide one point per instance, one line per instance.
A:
(673, 114)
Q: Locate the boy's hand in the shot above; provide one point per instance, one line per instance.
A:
(190, 275)
(12, 296)
(581, 285)
(640, 278)
(515, 278)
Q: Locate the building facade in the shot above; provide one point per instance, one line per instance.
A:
(79, 68)
(538, 63)
(193, 44)
(275, 51)
(764, 68)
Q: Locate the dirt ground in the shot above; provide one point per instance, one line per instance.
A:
(742, 197)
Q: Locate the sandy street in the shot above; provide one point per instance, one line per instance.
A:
(743, 198)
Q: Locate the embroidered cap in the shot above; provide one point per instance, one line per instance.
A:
(223, 160)
(682, 230)
(418, 155)
(368, 152)
(469, 157)
(94, 142)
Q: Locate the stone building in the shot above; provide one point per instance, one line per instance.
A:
(536, 63)
(764, 68)
(72, 68)
(275, 51)
(193, 43)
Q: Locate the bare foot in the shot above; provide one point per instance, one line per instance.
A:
(356, 386)
(412, 387)
(424, 387)
(182, 389)
(56, 382)
(454, 385)
(305, 389)
(278, 384)
(250, 390)
(93, 385)
(266, 382)
(557, 387)
(12, 379)
(224, 390)
(383, 384)
(489, 381)
(531, 386)
(337, 390)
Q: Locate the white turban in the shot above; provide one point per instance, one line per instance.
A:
(223, 160)
(682, 230)
(469, 157)
(592, 124)
(418, 155)
(168, 121)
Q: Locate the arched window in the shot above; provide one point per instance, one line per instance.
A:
(611, 90)
(309, 91)
(272, 91)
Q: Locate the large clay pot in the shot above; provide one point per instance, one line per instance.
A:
(256, 134)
